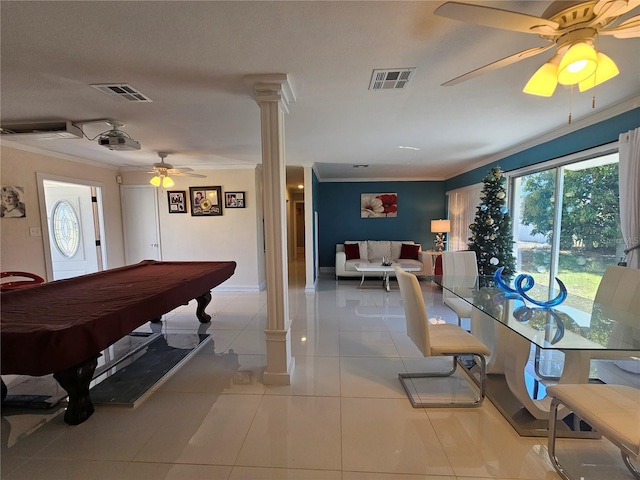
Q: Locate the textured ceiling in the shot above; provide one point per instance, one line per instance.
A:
(190, 59)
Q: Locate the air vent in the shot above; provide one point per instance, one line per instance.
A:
(392, 79)
(41, 131)
(122, 91)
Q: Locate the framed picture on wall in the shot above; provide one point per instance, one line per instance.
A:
(234, 199)
(12, 205)
(177, 201)
(378, 205)
(206, 201)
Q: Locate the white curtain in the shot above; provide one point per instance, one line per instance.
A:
(629, 172)
(462, 211)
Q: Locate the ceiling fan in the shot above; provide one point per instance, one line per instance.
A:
(571, 27)
(163, 171)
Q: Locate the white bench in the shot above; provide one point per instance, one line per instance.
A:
(612, 410)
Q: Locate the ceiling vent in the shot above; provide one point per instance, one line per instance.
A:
(41, 131)
(392, 79)
(122, 91)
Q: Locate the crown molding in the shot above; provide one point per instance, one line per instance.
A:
(60, 156)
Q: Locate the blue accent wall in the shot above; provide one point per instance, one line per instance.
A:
(592, 136)
(339, 214)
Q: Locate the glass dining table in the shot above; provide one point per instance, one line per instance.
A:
(516, 324)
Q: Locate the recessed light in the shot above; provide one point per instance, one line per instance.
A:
(300, 187)
(360, 166)
(407, 148)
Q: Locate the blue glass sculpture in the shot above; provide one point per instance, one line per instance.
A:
(523, 283)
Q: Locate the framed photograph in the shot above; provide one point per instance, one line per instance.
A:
(177, 201)
(234, 199)
(205, 201)
(378, 205)
(12, 205)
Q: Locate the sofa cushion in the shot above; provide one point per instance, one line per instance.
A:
(409, 251)
(362, 245)
(396, 246)
(352, 251)
(350, 265)
(376, 249)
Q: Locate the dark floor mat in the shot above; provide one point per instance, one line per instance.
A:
(130, 383)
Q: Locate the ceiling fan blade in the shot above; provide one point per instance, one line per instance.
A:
(183, 174)
(497, 18)
(627, 29)
(614, 8)
(180, 170)
(499, 64)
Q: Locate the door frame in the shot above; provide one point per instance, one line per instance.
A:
(44, 221)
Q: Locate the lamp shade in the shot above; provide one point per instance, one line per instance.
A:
(606, 70)
(155, 181)
(544, 82)
(440, 226)
(577, 64)
(168, 182)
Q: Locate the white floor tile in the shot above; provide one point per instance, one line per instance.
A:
(255, 473)
(210, 435)
(294, 432)
(372, 377)
(313, 376)
(388, 436)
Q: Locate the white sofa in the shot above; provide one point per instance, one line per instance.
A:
(372, 251)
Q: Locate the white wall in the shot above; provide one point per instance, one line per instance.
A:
(233, 236)
(19, 250)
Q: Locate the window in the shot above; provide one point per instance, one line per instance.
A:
(66, 231)
(567, 222)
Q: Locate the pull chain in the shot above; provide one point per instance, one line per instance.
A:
(570, 103)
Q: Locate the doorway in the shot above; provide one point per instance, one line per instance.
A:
(298, 225)
(71, 214)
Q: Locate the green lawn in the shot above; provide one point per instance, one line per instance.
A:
(580, 272)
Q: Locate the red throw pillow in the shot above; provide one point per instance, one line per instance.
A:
(409, 251)
(352, 251)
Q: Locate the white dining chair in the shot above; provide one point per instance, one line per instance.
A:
(441, 339)
(612, 410)
(618, 297)
(459, 269)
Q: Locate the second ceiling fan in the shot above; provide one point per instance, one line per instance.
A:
(163, 172)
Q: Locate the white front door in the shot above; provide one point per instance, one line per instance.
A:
(71, 229)
(140, 223)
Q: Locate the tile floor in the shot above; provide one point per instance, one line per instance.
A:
(345, 416)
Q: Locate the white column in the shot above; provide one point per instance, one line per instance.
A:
(273, 93)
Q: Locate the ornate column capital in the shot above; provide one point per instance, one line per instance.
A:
(271, 87)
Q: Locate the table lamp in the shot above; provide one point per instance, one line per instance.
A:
(440, 228)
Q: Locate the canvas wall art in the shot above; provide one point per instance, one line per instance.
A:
(378, 205)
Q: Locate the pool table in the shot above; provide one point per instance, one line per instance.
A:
(61, 327)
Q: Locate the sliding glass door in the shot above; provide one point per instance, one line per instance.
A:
(567, 223)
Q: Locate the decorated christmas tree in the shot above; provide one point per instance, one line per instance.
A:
(491, 234)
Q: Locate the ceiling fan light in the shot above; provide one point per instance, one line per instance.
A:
(577, 64)
(544, 82)
(606, 70)
(155, 181)
(168, 182)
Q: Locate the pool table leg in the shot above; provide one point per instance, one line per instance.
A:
(75, 381)
(203, 300)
